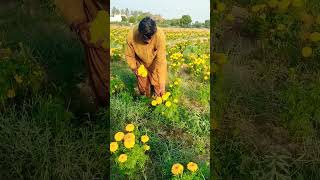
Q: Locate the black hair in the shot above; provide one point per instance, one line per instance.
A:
(147, 28)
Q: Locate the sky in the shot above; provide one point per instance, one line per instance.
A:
(199, 10)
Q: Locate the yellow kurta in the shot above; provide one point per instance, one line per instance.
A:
(151, 55)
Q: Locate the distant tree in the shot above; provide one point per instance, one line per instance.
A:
(185, 20)
(197, 24)
(117, 11)
(174, 22)
(127, 13)
(132, 19)
(124, 19)
(207, 23)
(113, 11)
(122, 11)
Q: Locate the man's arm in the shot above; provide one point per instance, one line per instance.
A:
(130, 54)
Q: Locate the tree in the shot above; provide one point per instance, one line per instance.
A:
(197, 24)
(122, 11)
(207, 23)
(127, 12)
(132, 19)
(117, 11)
(113, 11)
(185, 20)
(124, 19)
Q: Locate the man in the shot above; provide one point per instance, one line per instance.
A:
(146, 46)
(78, 14)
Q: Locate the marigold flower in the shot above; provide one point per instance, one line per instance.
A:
(129, 136)
(165, 97)
(315, 37)
(11, 93)
(307, 52)
(113, 146)
(175, 100)
(142, 71)
(129, 143)
(146, 147)
(177, 169)
(168, 104)
(18, 79)
(130, 127)
(154, 103)
(123, 158)
(193, 167)
(159, 100)
(144, 138)
(119, 136)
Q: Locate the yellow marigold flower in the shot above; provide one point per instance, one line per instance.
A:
(11, 93)
(159, 100)
(130, 127)
(165, 97)
(175, 100)
(193, 167)
(168, 94)
(168, 103)
(119, 136)
(18, 79)
(113, 146)
(146, 147)
(205, 77)
(129, 143)
(171, 85)
(123, 158)
(306, 52)
(315, 37)
(177, 169)
(176, 83)
(154, 103)
(129, 136)
(144, 138)
(142, 71)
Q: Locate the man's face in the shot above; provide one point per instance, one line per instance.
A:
(146, 38)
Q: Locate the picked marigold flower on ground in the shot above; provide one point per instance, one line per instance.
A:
(130, 127)
(123, 158)
(146, 147)
(168, 104)
(113, 146)
(119, 136)
(193, 167)
(177, 169)
(144, 138)
(307, 52)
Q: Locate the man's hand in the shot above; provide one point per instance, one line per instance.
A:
(135, 71)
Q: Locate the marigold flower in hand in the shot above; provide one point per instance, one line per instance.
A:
(177, 169)
(142, 71)
(193, 167)
(123, 158)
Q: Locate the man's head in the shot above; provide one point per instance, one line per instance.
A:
(147, 28)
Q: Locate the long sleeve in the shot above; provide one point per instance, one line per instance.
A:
(130, 54)
(160, 60)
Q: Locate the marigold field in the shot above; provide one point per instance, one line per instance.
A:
(178, 122)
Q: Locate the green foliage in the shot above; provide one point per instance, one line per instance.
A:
(20, 73)
(185, 20)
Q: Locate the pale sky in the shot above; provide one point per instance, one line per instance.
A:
(199, 10)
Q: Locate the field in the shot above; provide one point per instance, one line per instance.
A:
(178, 130)
(266, 90)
